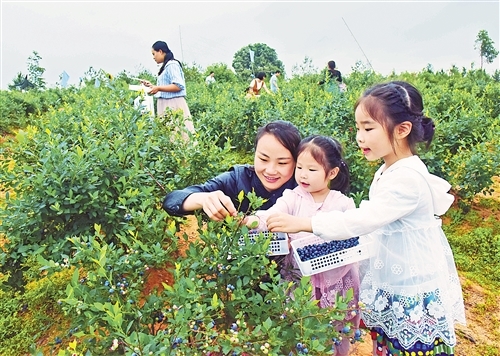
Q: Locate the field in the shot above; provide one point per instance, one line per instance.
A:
(91, 265)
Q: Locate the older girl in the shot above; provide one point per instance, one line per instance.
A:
(410, 286)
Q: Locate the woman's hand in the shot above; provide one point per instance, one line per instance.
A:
(154, 89)
(146, 83)
(217, 205)
(281, 222)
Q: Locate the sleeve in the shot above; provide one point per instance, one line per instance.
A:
(396, 196)
(176, 75)
(173, 201)
(350, 204)
(284, 204)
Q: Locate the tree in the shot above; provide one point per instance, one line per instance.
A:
(35, 72)
(305, 68)
(17, 82)
(192, 72)
(486, 47)
(265, 60)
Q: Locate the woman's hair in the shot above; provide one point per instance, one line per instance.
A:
(285, 132)
(260, 75)
(169, 55)
(395, 102)
(331, 65)
(328, 152)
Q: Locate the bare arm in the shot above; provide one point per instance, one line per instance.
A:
(282, 222)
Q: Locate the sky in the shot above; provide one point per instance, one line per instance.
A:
(116, 36)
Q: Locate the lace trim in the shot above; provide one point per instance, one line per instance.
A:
(418, 318)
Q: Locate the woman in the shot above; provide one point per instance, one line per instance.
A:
(272, 172)
(170, 84)
(256, 85)
(333, 79)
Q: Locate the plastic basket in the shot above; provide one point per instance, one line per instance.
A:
(333, 260)
(278, 245)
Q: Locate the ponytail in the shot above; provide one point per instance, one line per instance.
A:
(329, 153)
(428, 128)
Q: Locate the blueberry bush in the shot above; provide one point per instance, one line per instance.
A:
(83, 174)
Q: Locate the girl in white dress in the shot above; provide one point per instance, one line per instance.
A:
(410, 286)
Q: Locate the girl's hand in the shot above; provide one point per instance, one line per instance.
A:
(146, 83)
(281, 222)
(217, 206)
(252, 222)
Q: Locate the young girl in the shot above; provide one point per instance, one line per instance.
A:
(323, 180)
(411, 287)
(170, 84)
(272, 172)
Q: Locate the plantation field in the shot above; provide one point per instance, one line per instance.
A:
(91, 265)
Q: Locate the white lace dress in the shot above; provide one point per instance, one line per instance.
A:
(410, 284)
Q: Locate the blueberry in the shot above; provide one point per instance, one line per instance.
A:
(346, 329)
(357, 333)
(111, 290)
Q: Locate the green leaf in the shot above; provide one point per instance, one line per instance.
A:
(268, 324)
(215, 301)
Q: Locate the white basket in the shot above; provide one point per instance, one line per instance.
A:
(278, 245)
(333, 260)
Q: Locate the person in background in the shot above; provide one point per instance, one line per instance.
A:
(170, 85)
(333, 80)
(410, 286)
(323, 184)
(274, 81)
(256, 85)
(272, 172)
(210, 79)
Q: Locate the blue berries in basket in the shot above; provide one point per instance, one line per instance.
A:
(309, 252)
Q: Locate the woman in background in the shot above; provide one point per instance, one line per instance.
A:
(170, 84)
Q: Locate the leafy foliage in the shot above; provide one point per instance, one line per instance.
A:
(86, 165)
(265, 60)
(226, 299)
(222, 73)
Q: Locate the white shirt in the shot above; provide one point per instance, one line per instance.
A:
(209, 80)
(410, 283)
